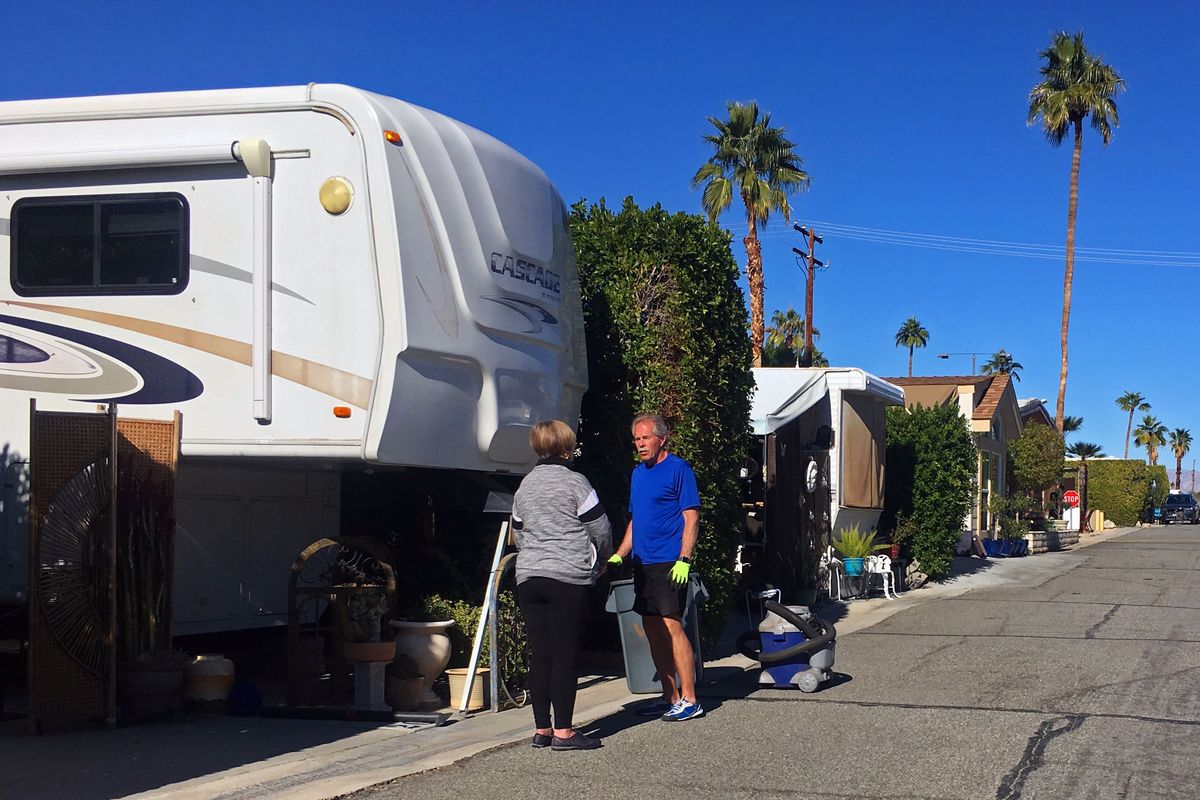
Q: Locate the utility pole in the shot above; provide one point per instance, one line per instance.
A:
(812, 240)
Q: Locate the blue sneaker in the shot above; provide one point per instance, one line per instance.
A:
(655, 709)
(683, 711)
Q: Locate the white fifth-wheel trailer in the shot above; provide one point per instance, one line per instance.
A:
(319, 278)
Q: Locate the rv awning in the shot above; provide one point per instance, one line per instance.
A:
(781, 393)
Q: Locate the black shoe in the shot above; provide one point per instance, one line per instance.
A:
(541, 740)
(577, 741)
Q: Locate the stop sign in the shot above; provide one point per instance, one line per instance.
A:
(1071, 498)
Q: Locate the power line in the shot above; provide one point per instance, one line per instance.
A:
(961, 244)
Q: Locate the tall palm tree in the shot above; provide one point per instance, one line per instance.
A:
(787, 332)
(911, 334)
(1083, 451)
(1181, 442)
(1131, 402)
(1075, 85)
(760, 164)
(1151, 434)
(1072, 424)
(818, 357)
(1001, 363)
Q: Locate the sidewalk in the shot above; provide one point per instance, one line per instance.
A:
(230, 757)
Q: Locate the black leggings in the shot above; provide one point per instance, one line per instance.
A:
(553, 613)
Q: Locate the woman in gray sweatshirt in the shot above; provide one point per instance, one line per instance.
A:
(563, 540)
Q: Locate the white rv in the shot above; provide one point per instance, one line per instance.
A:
(319, 278)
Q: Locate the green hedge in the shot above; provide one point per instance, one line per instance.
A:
(1121, 488)
(930, 479)
(666, 330)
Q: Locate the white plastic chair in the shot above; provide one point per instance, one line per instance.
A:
(881, 566)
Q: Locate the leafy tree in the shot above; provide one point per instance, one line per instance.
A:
(1181, 442)
(1001, 363)
(1036, 458)
(1072, 424)
(787, 333)
(666, 331)
(760, 164)
(931, 479)
(1075, 85)
(911, 334)
(1151, 434)
(1131, 402)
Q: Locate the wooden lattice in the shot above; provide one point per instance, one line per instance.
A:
(71, 637)
(74, 462)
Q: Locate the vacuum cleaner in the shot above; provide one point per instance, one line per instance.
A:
(794, 646)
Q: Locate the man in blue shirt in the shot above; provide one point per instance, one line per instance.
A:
(664, 510)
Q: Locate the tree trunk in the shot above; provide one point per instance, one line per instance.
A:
(1178, 470)
(910, 349)
(1128, 428)
(1083, 487)
(1069, 275)
(754, 278)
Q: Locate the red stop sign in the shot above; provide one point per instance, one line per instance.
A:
(1071, 498)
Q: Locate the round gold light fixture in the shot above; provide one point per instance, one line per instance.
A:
(336, 195)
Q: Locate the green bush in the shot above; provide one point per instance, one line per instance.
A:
(666, 331)
(1121, 488)
(931, 470)
(1036, 458)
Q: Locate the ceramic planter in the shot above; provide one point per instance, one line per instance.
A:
(427, 644)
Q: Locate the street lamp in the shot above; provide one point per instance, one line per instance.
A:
(972, 355)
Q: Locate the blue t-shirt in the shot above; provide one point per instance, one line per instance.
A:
(658, 496)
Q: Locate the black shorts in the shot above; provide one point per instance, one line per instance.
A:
(654, 594)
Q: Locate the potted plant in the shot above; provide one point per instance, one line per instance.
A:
(362, 624)
(854, 545)
(149, 671)
(905, 530)
(404, 683)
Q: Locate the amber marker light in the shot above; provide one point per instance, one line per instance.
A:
(341, 412)
(392, 137)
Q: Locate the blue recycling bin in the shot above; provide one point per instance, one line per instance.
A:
(640, 674)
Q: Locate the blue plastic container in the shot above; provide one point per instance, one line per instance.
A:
(853, 566)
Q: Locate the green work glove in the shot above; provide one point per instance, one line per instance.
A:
(679, 572)
(615, 561)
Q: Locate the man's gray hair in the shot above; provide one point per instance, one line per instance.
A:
(660, 425)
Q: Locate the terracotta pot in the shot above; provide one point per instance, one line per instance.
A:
(368, 651)
(427, 644)
(404, 694)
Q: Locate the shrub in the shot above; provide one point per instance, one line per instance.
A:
(1121, 488)
(666, 330)
(931, 470)
(1036, 458)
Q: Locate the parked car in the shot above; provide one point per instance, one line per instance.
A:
(1181, 508)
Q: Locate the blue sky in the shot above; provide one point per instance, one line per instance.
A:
(909, 117)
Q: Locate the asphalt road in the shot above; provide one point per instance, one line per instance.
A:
(1083, 685)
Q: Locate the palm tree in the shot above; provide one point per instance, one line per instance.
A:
(1002, 363)
(1083, 451)
(1151, 434)
(910, 335)
(761, 165)
(818, 357)
(1181, 442)
(1072, 424)
(1131, 402)
(1075, 85)
(787, 330)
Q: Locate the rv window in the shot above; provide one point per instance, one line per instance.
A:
(124, 244)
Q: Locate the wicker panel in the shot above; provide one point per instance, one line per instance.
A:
(67, 686)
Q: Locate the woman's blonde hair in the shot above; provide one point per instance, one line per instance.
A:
(553, 438)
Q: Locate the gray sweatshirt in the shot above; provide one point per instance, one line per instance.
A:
(560, 527)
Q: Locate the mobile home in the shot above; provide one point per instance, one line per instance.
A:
(320, 279)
